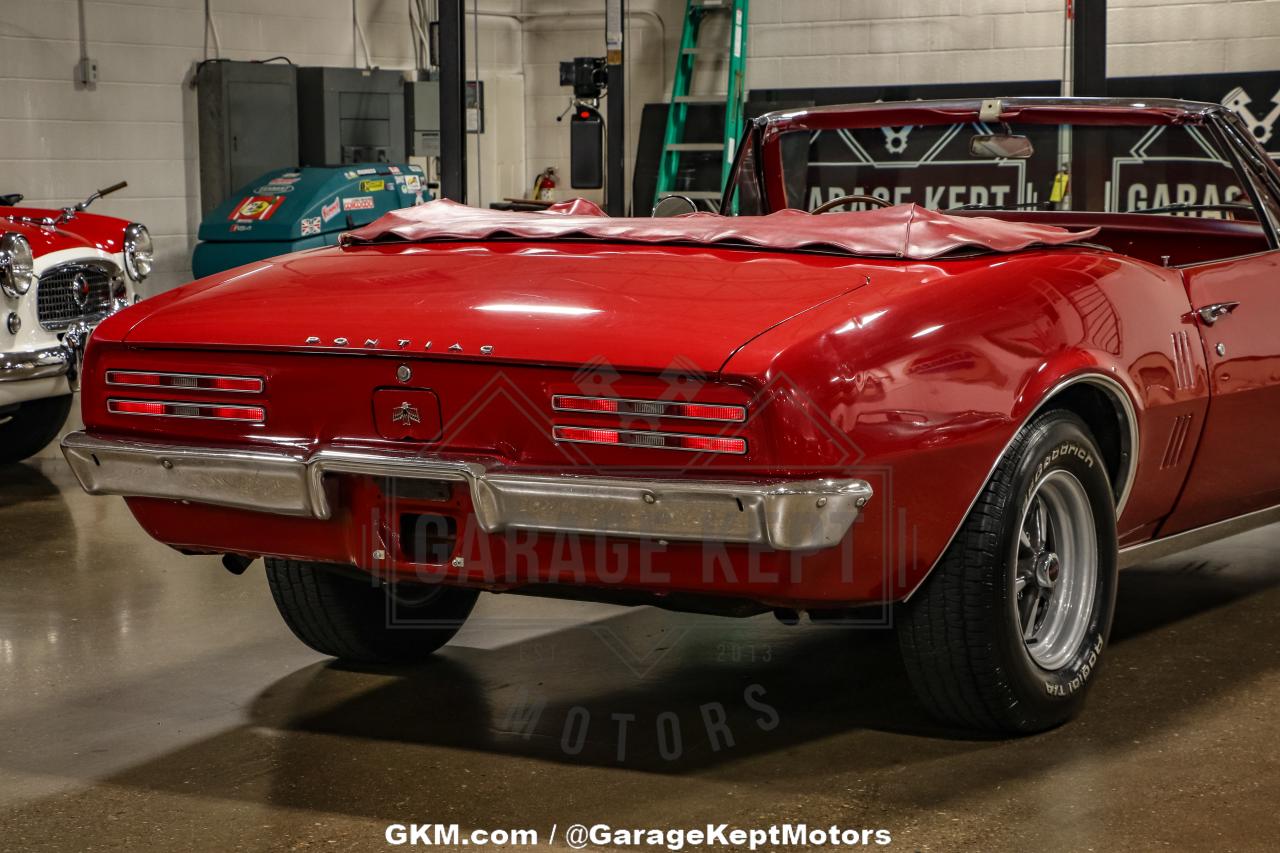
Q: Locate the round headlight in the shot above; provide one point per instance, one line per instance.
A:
(17, 265)
(139, 256)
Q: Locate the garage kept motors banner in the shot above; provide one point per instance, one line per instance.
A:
(1161, 169)
(928, 165)
(1115, 168)
(1168, 165)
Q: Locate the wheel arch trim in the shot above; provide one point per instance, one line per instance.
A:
(1125, 410)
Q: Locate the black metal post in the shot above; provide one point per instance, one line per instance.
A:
(1089, 49)
(453, 101)
(1089, 165)
(615, 192)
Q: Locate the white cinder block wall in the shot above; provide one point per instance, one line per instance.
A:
(803, 43)
(556, 30)
(58, 143)
(888, 42)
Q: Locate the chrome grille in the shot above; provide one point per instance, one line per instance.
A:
(72, 292)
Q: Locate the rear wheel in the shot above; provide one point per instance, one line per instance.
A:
(1008, 631)
(351, 618)
(27, 429)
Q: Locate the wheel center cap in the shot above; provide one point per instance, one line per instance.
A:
(1047, 567)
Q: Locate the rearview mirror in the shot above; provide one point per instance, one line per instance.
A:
(673, 205)
(1001, 146)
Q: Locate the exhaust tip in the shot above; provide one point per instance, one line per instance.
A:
(786, 615)
(236, 563)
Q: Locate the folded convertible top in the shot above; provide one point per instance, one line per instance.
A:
(902, 231)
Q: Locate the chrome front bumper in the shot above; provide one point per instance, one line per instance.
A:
(38, 364)
(787, 515)
(60, 360)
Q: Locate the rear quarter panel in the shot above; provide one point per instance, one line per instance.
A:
(930, 370)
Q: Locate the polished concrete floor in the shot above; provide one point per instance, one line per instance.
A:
(150, 701)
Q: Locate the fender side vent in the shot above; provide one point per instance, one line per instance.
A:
(1177, 442)
(1184, 367)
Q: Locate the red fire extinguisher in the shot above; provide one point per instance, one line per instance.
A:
(544, 186)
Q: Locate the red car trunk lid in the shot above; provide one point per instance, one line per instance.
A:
(567, 303)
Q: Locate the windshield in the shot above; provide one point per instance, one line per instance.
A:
(1176, 169)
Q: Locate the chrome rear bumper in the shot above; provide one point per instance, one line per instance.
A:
(787, 515)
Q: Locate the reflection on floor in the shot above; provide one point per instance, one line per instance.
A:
(153, 701)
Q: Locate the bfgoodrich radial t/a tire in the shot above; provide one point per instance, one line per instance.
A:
(1008, 631)
(353, 619)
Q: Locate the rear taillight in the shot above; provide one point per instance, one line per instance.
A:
(650, 408)
(176, 409)
(646, 438)
(187, 381)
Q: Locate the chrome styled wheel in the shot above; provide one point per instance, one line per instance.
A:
(1010, 629)
(1056, 569)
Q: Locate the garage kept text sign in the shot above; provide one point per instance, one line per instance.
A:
(1169, 166)
(1143, 167)
(928, 165)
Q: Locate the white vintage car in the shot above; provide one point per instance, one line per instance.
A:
(61, 273)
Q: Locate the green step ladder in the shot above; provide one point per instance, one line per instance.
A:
(674, 144)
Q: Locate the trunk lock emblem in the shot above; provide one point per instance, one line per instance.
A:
(406, 414)
(403, 373)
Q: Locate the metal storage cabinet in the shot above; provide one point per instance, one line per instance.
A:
(346, 115)
(422, 117)
(248, 125)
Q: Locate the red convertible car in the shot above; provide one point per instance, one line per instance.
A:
(1041, 346)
